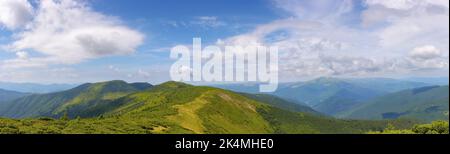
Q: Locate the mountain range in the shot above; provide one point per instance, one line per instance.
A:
(171, 107)
(35, 88)
(360, 105)
(333, 96)
(442, 81)
(7, 95)
(76, 101)
(425, 103)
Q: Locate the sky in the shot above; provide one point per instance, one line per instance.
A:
(77, 41)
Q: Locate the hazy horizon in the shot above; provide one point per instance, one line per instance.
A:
(412, 78)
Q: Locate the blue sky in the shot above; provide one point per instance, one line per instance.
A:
(66, 41)
(157, 17)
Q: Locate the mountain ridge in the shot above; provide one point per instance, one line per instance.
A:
(332, 96)
(174, 107)
(56, 104)
(35, 87)
(425, 103)
(9, 95)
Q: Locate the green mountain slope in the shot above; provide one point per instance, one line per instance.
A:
(342, 101)
(213, 110)
(74, 102)
(426, 103)
(6, 96)
(175, 107)
(281, 103)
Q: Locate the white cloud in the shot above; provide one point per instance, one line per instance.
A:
(415, 29)
(258, 35)
(396, 4)
(205, 22)
(409, 25)
(323, 10)
(319, 42)
(22, 55)
(208, 22)
(114, 68)
(376, 15)
(312, 48)
(70, 32)
(26, 62)
(15, 13)
(425, 53)
(428, 56)
(143, 73)
(408, 4)
(393, 11)
(317, 38)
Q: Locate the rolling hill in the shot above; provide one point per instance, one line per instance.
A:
(74, 102)
(425, 103)
(174, 107)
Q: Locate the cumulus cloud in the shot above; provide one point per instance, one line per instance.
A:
(314, 40)
(395, 11)
(15, 13)
(260, 33)
(427, 56)
(409, 22)
(425, 53)
(70, 32)
(311, 48)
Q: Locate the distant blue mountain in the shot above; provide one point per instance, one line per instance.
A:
(35, 88)
(333, 95)
(329, 95)
(426, 103)
(386, 84)
(7, 95)
(430, 80)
